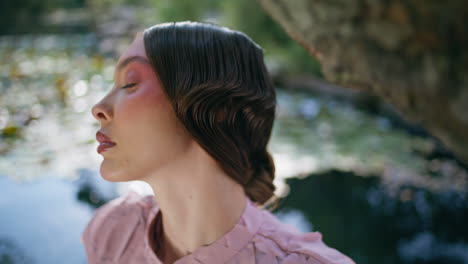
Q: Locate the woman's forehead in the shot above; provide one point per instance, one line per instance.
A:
(136, 48)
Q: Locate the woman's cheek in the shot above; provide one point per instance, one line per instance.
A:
(142, 103)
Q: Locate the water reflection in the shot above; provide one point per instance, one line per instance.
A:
(357, 215)
(11, 253)
(315, 132)
(374, 224)
(41, 222)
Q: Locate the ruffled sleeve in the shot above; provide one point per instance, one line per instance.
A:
(311, 246)
(281, 243)
(108, 234)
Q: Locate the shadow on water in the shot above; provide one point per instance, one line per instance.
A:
(374, 224)
(10, 253)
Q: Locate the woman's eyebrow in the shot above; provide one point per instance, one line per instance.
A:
(128, 60)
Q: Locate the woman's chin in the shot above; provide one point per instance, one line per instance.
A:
(112, 174)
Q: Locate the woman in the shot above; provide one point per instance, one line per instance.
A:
(191, 114)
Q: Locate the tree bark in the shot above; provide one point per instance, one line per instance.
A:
(413, 54)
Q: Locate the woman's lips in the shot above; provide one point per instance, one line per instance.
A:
(104, 146)
(105, 142)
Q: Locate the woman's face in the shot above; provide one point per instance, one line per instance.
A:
(137, 116)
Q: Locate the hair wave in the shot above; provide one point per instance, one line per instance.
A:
(219, 87)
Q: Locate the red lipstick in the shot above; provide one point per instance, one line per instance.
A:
(105, 142)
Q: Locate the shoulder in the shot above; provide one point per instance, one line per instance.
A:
(115, 222)
(284, 244)
(121, 210)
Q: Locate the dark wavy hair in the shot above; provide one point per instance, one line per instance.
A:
(219, 87)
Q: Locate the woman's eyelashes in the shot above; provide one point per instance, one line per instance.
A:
(128, 85)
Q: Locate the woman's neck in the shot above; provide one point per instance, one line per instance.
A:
(198, 203)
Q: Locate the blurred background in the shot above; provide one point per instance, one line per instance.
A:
(372, 176)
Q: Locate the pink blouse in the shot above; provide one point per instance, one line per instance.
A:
(119, 233)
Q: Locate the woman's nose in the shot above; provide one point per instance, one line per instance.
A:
(101, 112)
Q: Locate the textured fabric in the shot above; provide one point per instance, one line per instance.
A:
(118, 233)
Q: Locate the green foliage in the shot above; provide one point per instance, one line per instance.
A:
(26, 16)
(181, 10)
(249, 17)
(243, 15)
(10, 132)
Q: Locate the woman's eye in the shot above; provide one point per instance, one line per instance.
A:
(128, 85)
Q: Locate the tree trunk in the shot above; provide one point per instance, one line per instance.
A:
(413, 54)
